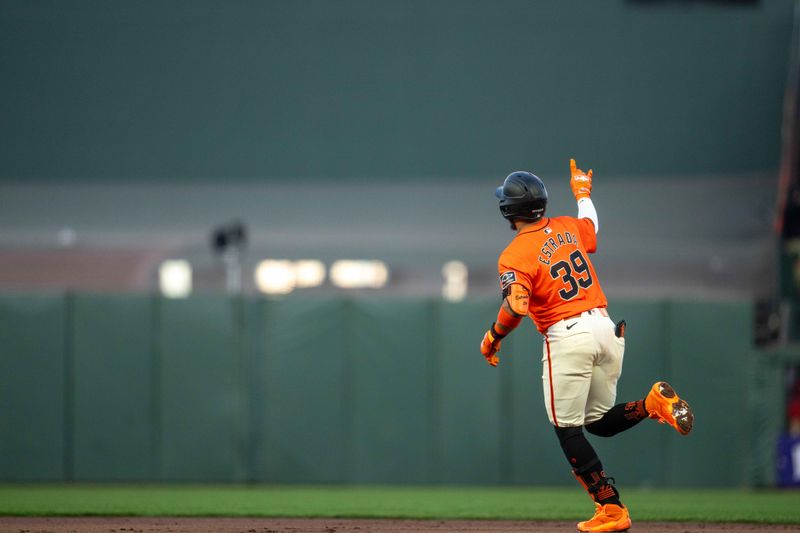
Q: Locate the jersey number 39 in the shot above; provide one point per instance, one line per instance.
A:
(564, 270)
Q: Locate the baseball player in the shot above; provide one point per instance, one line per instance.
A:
(545, 273)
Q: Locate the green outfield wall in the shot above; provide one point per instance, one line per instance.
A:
(347, 390)
(208, 90)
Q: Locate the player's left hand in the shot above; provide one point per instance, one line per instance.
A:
(580, 181)
(490, 345)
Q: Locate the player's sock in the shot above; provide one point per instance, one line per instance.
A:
(621, 417)
(587, 467)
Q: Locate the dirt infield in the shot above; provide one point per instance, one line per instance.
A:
(332, 525)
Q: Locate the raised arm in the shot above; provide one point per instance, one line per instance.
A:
(581, 184)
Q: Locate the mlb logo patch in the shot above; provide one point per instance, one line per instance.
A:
(507, 278)
(548, 231)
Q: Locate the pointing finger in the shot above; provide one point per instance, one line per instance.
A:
(572, 166)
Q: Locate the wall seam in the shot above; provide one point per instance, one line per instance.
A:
(69, 388)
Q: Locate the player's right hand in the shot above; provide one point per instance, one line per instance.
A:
(580, 181)
(490, 345)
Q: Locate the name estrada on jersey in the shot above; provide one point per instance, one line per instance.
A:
(551, 261)
(550, 245)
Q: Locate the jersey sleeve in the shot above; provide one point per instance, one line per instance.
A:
(587, 234)
(513, 269)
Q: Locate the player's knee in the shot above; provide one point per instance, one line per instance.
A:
(566, 433)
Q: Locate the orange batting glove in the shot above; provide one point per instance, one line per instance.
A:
(490, 345)
(580, 182)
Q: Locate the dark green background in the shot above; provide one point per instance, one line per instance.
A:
(203, 89)
(333, 390)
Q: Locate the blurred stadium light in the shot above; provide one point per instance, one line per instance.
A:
(309, 273)
(282, 276)
(275, 276)
(175, 278)
(455, 275)
(356, 274)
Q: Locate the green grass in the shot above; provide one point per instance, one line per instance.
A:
(394, 502)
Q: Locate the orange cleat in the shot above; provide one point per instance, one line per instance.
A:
(663, 404)
(608, 517)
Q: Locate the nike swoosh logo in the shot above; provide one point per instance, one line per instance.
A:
(570, 326)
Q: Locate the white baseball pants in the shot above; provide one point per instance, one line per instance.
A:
(582, 362)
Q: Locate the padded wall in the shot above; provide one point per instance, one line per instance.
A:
(345, 390)
(35, 385)
(200, 376)
(302, 393)
(114, 410)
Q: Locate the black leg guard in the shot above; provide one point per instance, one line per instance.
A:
(586, 466)
(577, 449)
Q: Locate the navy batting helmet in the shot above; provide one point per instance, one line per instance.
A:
(522, 197)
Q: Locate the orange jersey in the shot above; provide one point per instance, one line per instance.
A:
(552, 262)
